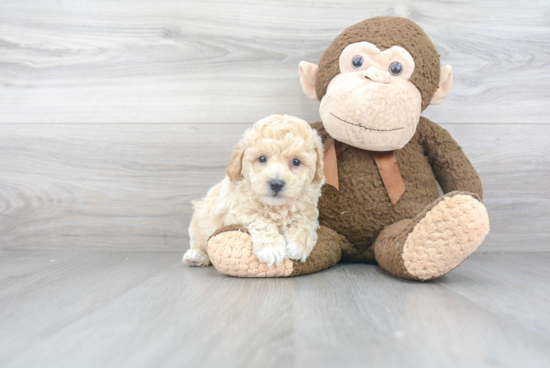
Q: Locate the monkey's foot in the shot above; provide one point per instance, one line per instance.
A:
(436, 241)
(231, 252)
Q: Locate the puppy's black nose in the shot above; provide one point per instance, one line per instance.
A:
(277, 185)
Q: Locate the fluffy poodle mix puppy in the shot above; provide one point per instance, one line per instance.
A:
(272, 187)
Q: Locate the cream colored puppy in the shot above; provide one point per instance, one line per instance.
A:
(272, 187)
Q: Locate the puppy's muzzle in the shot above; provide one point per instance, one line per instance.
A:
(276, 186)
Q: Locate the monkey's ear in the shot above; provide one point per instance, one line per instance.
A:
(445, 82)
(308, 74)
(236, 165)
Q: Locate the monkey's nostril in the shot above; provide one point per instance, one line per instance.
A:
(276, 185)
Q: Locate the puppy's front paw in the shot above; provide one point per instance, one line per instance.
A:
(299, 245)
(195, 258)
(297, 252)
(270, 252)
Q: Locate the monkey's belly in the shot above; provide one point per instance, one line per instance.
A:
(362, 208)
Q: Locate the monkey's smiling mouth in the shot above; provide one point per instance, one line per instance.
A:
(360, 126)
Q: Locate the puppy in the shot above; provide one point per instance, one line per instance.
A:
(272, 188)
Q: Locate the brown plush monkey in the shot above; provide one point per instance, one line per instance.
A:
(380, 202)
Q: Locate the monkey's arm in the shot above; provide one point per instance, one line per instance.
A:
(450, 165)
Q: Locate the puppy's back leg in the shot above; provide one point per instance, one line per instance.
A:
(196, 256)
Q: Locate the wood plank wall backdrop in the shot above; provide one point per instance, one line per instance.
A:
(115, 114)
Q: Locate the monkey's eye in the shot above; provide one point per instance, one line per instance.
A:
(262, 159)
(395, 68)
(296, 162)
(357, 62)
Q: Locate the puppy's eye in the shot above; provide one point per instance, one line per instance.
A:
(296, 162)
(262, 159)
(357, 62)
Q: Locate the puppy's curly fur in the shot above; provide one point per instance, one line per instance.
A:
(272, 187)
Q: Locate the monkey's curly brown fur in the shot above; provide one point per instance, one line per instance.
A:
(385, 32)
(362, 208)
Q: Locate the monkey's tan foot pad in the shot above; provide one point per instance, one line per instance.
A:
(230, 251)
(447, 234)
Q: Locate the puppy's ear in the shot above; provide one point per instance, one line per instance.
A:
(234, 168)
(320, 161)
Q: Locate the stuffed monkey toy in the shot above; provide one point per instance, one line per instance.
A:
(380, 203)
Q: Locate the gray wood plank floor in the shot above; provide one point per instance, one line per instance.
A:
(144, 309)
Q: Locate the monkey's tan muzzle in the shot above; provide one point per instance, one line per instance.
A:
(377, 75)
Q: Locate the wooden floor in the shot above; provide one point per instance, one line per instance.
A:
(144, 309)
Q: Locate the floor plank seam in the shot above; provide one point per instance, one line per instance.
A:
(103, 305)
(499, 316)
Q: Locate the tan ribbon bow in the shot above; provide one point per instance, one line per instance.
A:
(385, 161)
